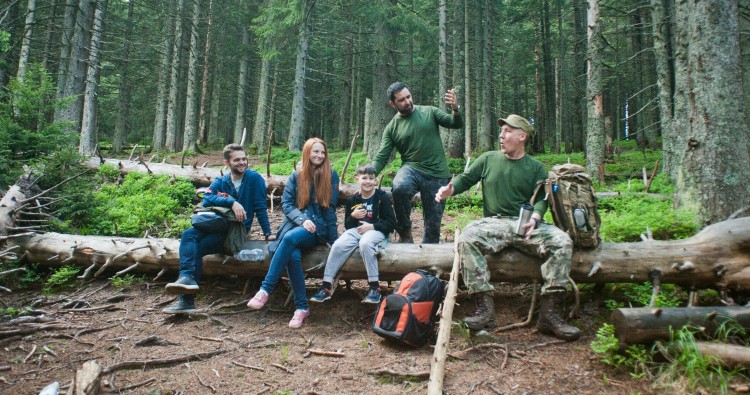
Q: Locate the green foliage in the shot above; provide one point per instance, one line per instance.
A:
(4, 41)
(625, 217)
(689, 367)
(125, 280)
(141, 203)
(61, 279)
(606, 346)
(10, 312)
(669, 294)
(660, 184)
(25, 134)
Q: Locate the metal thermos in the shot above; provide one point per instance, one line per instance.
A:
(523, 217)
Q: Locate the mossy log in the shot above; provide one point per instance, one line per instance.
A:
(717, 257)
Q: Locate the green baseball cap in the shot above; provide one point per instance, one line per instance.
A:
(517, 121)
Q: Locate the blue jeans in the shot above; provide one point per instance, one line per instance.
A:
(289, 256)
(406, 184)
(194, 245)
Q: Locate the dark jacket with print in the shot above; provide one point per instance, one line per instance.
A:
(383, 217)
(252, 197)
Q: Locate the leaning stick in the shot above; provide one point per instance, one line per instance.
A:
(437, 367)
(349, 156)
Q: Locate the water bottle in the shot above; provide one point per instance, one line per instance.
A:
(523, 217)
(254, 255)
(579, 216)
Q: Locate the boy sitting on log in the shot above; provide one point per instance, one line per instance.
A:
(369, 220)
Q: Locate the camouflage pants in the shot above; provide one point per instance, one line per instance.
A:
(492, 235)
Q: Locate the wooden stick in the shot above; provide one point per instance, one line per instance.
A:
(211, 339)
(326, 353)
(282, 367)
(653, 174)
(388, 372)
(349, 155)
(136, 385)
(437, 367)
(33, 350)
(157, 362)
(248, 366)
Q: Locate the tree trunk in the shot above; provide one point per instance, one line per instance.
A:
(664, 80)
(648, 324)
(455, 143)
(204, 80)
(191, 131)
(467, 85)
(728, 354)
(76, 70)
(89, 136)
(297, 124)
(486, 133)
(159, 137)
(259, 126)
(65, 47)
(710, 259)
(213, 124)
(239, 117)
(123, 99)
(712, 173)
(174, 82)
(381, 112)
(595, 111)
(23, 59)
(347, 88)
(442, 62)
(369, 140)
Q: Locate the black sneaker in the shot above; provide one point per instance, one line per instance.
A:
(179, 307)
(321, 295)
(183, 286)
(373, 296)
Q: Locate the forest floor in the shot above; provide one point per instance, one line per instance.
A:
(255, 352)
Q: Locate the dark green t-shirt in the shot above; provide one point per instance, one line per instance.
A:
(506, 184)
(417, 138)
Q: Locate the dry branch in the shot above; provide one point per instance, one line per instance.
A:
(158, 362)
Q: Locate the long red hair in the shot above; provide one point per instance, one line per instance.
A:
(310, 175)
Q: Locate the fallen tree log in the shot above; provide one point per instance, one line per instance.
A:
(717, 257)
(643, 325)
(202, 176)
(727, 354)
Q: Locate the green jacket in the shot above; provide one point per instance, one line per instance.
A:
(417, 138)
(506, 184)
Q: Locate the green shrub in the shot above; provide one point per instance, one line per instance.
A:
(159, 205)
(60, 279)
(125, 280)
(606, 346)
(625, 217)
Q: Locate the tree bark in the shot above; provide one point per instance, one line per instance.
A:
(715, 257)
(467, 85)
(89, 136)
(442, 61)
(213, 123)
(595, 111)
(454, 145)
(190, 129)
(174, 82)
(297, 124)
(714, 164)
(381, 112)
(728, 354)
(664, 79)
(65, 47)
(239, 117)
(160, 119)
(486, 133)
(123, 99)
(204, 81)
(259, 126)
(23, 59)
(647, 324)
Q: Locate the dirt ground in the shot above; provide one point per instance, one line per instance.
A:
(256, 353)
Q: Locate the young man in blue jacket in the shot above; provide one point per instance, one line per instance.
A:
(244, 192)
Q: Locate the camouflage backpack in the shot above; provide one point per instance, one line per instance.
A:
(572, 201)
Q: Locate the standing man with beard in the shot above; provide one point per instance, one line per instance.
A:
(509, 178)
(244, 192)
(415, 133)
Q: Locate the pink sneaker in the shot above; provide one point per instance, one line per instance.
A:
(258, 301)
(299, 317)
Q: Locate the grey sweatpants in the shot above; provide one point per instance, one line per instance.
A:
(345, 245)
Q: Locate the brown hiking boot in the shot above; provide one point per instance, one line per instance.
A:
(550, 322)
(484, 317)
(404, 235)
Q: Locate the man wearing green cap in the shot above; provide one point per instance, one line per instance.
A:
(509, 178)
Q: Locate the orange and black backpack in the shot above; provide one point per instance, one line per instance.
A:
(409, 314)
